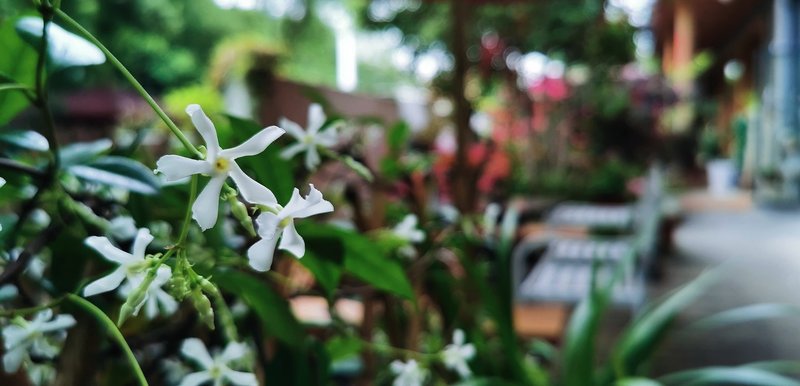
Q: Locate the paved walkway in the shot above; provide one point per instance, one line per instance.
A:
(760, 253)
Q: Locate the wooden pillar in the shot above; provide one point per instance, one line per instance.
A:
(463, 180)
(683, 48)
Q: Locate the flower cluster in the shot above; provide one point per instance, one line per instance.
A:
(275, 221)
(454, 357)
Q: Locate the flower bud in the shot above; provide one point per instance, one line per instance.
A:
(239, 211)
(136, 298)
(203, 306)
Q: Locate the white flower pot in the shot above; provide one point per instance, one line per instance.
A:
(721, 174)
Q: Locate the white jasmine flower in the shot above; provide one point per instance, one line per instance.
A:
(272, 226)
(311, 138)
(122, 228)
(407, 229)
(41, 374)
(456, 355)
(131, 265)
(408, 373)
(36, 266)
(218, 164)
(216, 368)
(156, 298)
(23, 336)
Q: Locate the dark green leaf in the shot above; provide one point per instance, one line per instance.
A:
(18, 65)
(64, 49)
(104, 177)
(637, 382)
(83, 152)
(727, 376)
(485, 382)
(365, 260)
(324, 258)
(27, 139)
(398, 136)
(273, 310)
(129, 168)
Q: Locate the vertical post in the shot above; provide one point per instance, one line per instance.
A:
(463, 181)
(784, 53)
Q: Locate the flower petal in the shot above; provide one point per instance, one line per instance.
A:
(233, 351)
(296, 203)
(13, 335)
(251, 190)
(291, 241)
(292, 128)
(195, 379)
(106, 283)
(143, 239)
(267, 225)
(206, 129)
(61, 322)
(292, 150)
(312, 158)
(316, 118)
(315, 204)
(168, 304)
(109, 251)
(240, 378)
(328, 137)
(458, 337)
(255, 145)
(175, 167)
(206, 207)
(261, 253)
(196, 350)
(13, 359)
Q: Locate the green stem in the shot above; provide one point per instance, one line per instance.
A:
(112, 329)
(187, 218)
(130, 78)
(30, 310)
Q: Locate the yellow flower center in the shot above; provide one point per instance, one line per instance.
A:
(285, 222)
(221, 165)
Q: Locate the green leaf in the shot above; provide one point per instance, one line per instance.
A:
(398, 136)
(746, 314)
(342, 347)
(129, 168)
(276, 317)
(64, 49)
(17, 65)
(324, 258)
(640, 339)
(26, 139)
(485, 382)
(83, 152)
(114, 179)
(365, 260)
(727, 376)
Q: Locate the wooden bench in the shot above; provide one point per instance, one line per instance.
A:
(568, 268)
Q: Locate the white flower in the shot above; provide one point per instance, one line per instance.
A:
(36, 266)
(216, 369)
(156, 298)
(456, 355)
(131, 265)
(407, 230)
(311, 138)
(218, 164)
(24, 336)
(269, 224)
(408, 373)
(122, 228)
